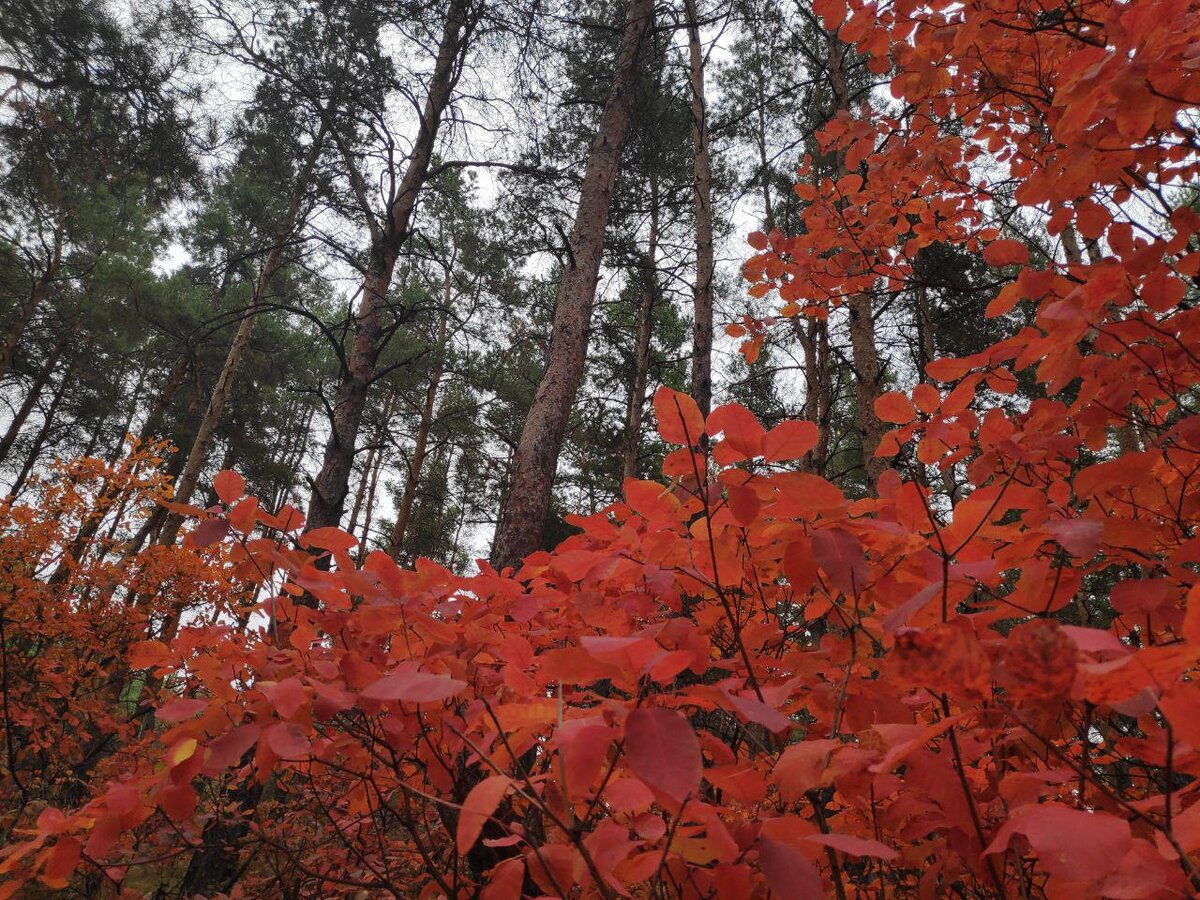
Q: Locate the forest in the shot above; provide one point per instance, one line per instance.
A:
(509, 449)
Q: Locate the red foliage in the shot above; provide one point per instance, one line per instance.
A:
(741, 681)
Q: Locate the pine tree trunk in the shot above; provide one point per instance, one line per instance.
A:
(416, 461)
(702, 331)
(635, 404)
(39, 441)
(521, 527)
(868, 370)
(135, 397)
(223, 389)
(40, 380)
(166, 396)
(813, 334)
(331, 485)
(38, 292)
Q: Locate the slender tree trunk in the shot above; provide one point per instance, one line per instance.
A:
(374, 461)
(524, 520)
(416, 461)
(331, 485)
(360, 496)
(868, 369)
(40, 380)
(369, 513)
(702, 331)
(166, 396)
(813, 334)
(118, 446)
(38, 292)
(294, 455)
(636, 403)
(223, 389)
(39, 441)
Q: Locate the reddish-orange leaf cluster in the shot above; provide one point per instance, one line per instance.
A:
(742, 681)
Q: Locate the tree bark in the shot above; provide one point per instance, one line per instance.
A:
(39, 441)
(417, 460)
(331, 485)
(40, 380)
(223, 389)
(813, 334)
(868, 369)
(702, 330)
(636, 403)
(521, 527)
(38, 292)
(166, 396)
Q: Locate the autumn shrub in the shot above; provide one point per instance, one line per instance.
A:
(975, 678)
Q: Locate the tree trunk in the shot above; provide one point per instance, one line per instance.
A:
(223, 389)
(417, 460)
(868, 376)
(39, 441)
(166, 396)
(135, 397)
(868, 370)
(521, 527)
(702, 331)
(813, 334)
(331, 485)
(636, 403)
(40, 380)
(38, 291)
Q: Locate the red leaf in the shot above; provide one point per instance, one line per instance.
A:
(288, 741)
(287, 697)
(229, 748)
(481, 802)
(789, 873)
(840, 554)
(180, 710)
(61, 862)
(679, 418)
(147, 655)
(741, 431)
(789, 440)
(1079, 537)
(208, 533)
(799, 565)
(895, 407)
(855, 846)
(1006, 253)
(662, 750)
(414, 687)
(753, 710)
(229, 485)
(1072, 844)
(744, 504)
(329, 538)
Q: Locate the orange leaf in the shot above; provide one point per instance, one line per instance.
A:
(895, 407)
(481, 802)
(1006, 253)
(679, 418)
(229, 485)
(789, 440)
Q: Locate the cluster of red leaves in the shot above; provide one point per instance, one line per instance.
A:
(73, 608)
(742, 681)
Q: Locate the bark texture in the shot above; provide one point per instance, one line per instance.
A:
(536, 459)
(331, 485)
(702, 329)
(223, 389)
(416, 462)
(635, 404)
